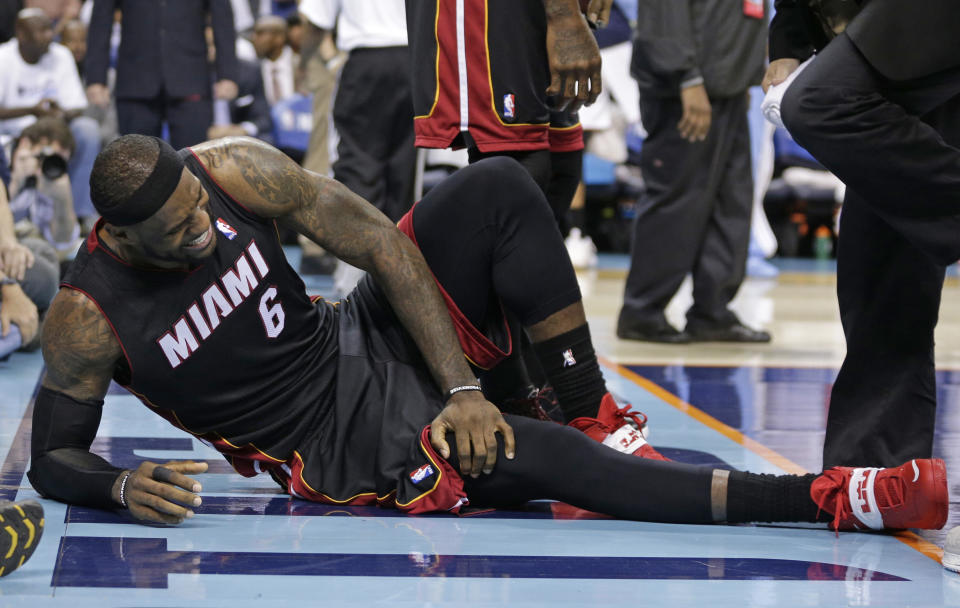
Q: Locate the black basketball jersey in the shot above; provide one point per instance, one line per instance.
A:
(233, 350)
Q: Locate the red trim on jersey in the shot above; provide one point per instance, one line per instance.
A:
(242, 459)
(107, 319)
(566, 139)
(476, 346)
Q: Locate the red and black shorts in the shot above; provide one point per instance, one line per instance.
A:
(484, 70)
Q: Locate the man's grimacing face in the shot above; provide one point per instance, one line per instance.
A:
(182, 229)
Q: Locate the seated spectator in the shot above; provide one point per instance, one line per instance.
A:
(248, 113)
(29, 276)
(60, 12)
(40, 199)
(74, 37)
(39, 79)
(277, 60)
(295, 32)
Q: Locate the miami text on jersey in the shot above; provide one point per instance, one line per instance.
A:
(216, 302)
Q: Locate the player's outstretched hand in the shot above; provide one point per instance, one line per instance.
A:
(474, 422)
(162, 493)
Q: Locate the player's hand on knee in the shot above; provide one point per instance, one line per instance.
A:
(161, 493)
(474, 421)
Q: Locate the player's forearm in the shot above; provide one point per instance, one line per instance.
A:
(75, 476)
(406, 279)
(555, 9)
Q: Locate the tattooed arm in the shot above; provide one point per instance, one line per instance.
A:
(573, 55)
(273, 186)
(81, 353)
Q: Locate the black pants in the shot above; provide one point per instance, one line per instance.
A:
(373, 114)
(188, 119)
(694, 216)
(897, 147)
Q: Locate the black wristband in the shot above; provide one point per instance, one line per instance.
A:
(459, 389)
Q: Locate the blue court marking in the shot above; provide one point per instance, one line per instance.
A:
(145, 563)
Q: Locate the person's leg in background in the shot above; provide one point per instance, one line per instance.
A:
(722, 258)
(320, 81)
(402, 154)
(189, 119)
(142, 116)
(883, 402)
(672, 216)
(86, 137)
(897, 147)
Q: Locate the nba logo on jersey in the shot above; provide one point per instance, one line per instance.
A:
(421, 473)
(568, 360)
(227, 230)
(508, 106)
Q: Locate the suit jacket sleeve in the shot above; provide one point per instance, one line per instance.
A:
(98, 41)
(665, 39)
(257, 112)
(224, 39)
(790, 33)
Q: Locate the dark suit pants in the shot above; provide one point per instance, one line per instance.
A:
(695, 214)
(188, 118)
(895, 145)
(373, 115)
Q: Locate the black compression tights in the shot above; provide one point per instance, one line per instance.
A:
(487, 230)
(557, 462)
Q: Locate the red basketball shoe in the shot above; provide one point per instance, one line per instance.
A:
(619, 428)
(913, 495)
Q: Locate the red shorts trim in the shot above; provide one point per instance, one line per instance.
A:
(478, 348)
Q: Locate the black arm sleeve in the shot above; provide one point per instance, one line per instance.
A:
(62, 466)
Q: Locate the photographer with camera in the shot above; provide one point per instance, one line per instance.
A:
(40, 189)
(39, 79)
(29, 272)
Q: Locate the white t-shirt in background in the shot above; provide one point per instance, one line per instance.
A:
(23, 85)
(360, 23)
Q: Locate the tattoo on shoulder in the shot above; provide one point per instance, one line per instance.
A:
(260, 171)
(79, 347)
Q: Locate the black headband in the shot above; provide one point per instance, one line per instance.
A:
(153, 193)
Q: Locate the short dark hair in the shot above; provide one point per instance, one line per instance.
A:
(120, 168)
(51, 129)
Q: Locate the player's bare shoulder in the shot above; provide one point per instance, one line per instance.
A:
(79, 347)
(259, 176)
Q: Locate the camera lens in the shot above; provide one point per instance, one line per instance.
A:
(53, 166)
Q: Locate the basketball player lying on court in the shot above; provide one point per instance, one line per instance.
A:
(182, 295)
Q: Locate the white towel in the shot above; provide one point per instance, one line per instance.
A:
(774, 97)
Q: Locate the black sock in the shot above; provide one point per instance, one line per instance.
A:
(756, 498)
(571, 367)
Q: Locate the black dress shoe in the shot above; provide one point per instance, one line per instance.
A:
(733, 333)
(661, 332)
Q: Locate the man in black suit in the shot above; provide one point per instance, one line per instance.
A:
(880, 107)
(162, 71)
